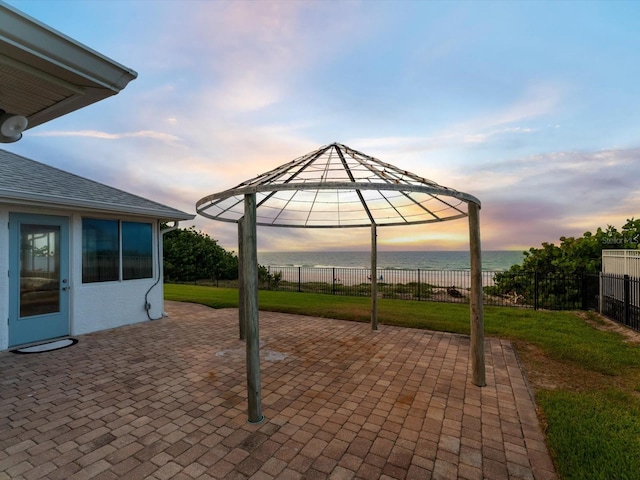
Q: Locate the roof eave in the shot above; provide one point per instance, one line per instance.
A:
(88, 205)
(42, 51)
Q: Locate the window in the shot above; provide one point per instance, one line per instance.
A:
(112, 250)
(137, 258)
(100, 250)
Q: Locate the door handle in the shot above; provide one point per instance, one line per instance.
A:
(66, 287)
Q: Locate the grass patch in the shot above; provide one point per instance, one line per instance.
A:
(587, 379)
(565, 337)
(593, 436)
(212, 297)
(562, 335)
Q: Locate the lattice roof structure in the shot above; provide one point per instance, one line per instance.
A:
(335, 187)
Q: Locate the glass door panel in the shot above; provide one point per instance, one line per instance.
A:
(39, 269)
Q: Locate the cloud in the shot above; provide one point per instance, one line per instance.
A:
(542, 197)
(536, 101)
(518, 223)
(246, 56)
(165, 137)
(484, 137)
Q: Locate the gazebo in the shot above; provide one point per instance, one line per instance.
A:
(338, 187)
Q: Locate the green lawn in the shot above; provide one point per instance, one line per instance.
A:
(587, 379)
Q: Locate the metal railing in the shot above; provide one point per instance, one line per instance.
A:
(621, 299)
(526, 290)
(621, 262)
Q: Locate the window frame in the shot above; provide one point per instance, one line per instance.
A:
(127, 268)
(120, 255)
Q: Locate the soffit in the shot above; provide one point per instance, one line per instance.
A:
(44, 74)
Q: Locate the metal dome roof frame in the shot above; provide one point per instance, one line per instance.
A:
(316, 186)
(330, 178)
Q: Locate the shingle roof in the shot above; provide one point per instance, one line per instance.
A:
(22, 179)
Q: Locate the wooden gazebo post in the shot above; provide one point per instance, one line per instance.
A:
(242, 319)
(250, 270)
(374, 277)
(476, 300)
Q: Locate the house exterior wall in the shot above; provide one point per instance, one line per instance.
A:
(103, 305)
(93, 306)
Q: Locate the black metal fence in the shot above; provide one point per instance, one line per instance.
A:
(621, 299)
(527, 290)
(551, 291)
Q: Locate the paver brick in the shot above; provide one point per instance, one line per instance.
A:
(125, 465)
(18, 469)
(273, 466)
(168, 471)
(19, 447)
(167, 399)
(301, 463)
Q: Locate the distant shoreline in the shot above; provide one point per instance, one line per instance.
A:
(300, 252)
(492, 260)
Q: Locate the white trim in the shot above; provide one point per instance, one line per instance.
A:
(35, 39)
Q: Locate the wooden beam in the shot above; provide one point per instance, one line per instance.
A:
(250, 279)
(374, 277)
(242, 320)
(476, 300)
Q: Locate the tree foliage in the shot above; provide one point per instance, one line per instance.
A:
(559, 267)
(580, 255)
(191, 255)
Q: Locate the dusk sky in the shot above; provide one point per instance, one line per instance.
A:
(532, 107)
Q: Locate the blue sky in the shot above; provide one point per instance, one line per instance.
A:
(530, 106)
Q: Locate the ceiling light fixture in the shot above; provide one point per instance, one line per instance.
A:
(11, 126)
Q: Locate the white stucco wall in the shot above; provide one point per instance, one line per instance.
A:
(102, 305)
(98, 307)
(93, 306)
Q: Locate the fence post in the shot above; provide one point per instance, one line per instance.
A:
(535, 290)
(299, 279)
(419, 297)
(333, 272)
(627, 302)
(600, 290)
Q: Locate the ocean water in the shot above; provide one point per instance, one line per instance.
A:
(436, 260)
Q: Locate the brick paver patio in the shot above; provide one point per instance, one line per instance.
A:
(167, 400)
